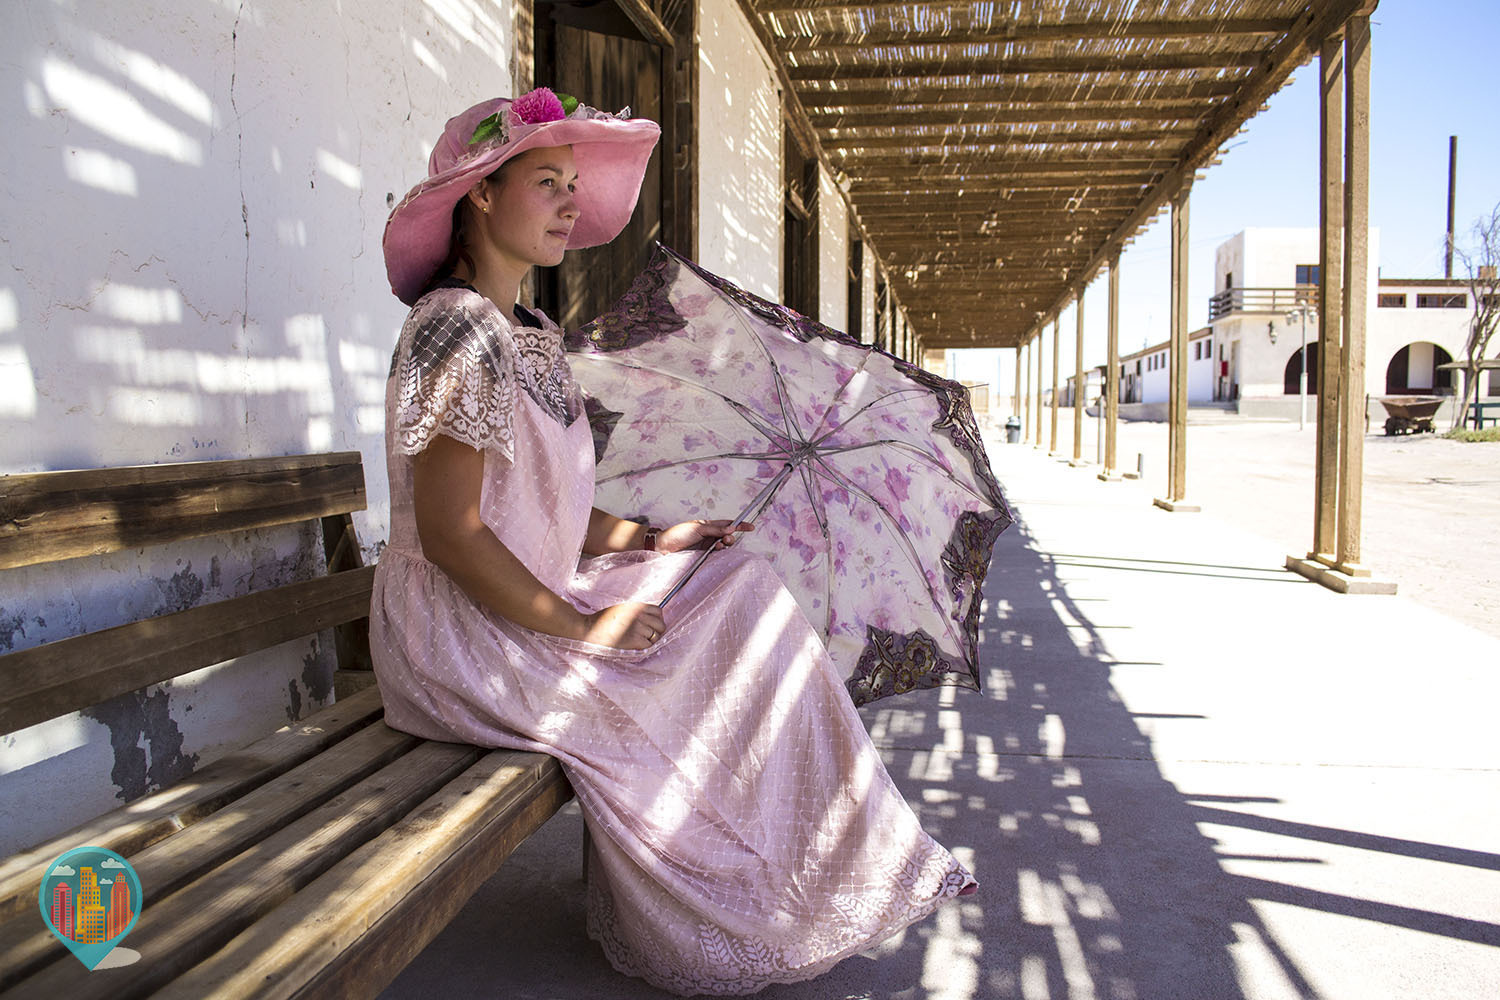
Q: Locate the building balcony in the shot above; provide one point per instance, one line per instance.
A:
(1261, 300)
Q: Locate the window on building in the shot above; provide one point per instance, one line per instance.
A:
(1309, 274)
(1443, 300)
(1391, 300)
(1228, 280)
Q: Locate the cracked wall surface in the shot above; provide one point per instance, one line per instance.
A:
(190, 269)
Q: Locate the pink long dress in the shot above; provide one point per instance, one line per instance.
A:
(744, 829)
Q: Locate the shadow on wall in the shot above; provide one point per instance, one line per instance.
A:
(192, 270)
(195, 270)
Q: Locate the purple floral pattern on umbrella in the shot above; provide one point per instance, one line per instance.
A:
(885, 509)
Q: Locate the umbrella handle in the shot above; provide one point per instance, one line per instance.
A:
(761, 499)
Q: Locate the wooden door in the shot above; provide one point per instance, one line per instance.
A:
(590, 50)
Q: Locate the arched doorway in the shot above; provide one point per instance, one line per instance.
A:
(1291, 378)
(1413, 371)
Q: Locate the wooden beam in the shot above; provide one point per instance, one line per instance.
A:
(1056, 356)
(1078, 387)
(1059, 113)
(1000, 31)
(1112, 373)
(1027, 65)
(46, 516)
(1356, 293)
(999, 171)
(889, 93)
(1330, 298)
(857, 158)
(928, 133)
(46, 681)
(647, 23)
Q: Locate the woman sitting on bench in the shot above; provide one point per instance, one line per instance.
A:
(744, 830)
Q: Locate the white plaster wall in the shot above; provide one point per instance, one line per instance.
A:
(739, 152)
(1229, 260)
(1391, 329)
(833, 254)
(1272, 256)
(194, 200)
(1200, 371)
(1155, 382)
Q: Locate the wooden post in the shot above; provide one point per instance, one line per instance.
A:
(1078, 388)
(1356, 291)
(1015, 399)
(1330, 300)
(1177, 403)
(1023, 392)
(1056, 362)
(1343, 308)
(1111, 409)
(1040, 355)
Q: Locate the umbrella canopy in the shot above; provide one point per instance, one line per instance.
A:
(879, 508)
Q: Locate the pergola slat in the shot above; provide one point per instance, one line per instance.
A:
(994, 159)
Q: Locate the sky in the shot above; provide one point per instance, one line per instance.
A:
(1433, 74)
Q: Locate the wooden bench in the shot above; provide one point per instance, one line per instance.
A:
(317, 861)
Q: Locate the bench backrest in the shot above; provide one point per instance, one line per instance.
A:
(49, 516)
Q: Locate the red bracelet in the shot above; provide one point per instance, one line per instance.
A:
(650, 543)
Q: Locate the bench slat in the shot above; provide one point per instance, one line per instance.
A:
(415, 877)
(47, 681)
(46, 516)
(134, 827)
(173, 863)
(176, 933)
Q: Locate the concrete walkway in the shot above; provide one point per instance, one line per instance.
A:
(1192, 775)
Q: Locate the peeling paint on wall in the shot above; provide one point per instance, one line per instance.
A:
(143, 717)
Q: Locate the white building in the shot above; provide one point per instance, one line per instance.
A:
(1265, 302)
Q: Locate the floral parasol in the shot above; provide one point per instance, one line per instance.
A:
(879, 508)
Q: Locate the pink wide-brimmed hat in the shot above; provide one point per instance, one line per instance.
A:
(610, 152)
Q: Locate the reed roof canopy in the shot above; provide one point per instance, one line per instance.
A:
(998, 155)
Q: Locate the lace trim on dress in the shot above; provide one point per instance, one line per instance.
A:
(457, 365)
(735, 965)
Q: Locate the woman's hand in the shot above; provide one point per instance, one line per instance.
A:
(699, 535)
(631, 625)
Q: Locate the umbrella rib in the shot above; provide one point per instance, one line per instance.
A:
(870, 405)
(736, 407)
(751, 456)
(864, 363)
(782, 399)
(821, 513)
(915, 452)
(911, 550)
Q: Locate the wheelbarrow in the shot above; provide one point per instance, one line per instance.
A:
(1410, 414)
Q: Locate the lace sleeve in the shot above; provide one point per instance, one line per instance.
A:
(456, 372)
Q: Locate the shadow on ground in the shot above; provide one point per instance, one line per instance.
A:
(1098, 880)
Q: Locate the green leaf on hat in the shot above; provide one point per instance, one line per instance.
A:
(487, 129)
(569, 103)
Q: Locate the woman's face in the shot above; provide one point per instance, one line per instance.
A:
(531, 208)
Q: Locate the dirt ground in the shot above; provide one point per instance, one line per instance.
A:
(1431, 517)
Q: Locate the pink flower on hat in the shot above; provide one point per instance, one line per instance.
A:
(540, 105)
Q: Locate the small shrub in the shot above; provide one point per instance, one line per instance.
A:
(1466, 434)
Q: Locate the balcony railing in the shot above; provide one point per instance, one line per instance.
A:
(1261, 300)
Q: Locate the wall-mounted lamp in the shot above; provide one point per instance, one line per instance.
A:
(1271, 330)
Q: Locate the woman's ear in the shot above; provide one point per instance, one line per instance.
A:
(480, 195)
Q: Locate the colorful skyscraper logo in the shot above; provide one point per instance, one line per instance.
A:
(90, 899)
